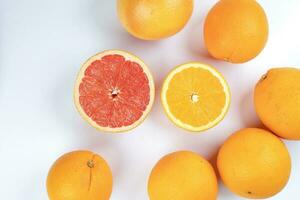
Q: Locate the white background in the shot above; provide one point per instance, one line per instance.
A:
(42, 46)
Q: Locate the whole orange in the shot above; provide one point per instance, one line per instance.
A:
(236, 30)
(254, 163)
(183, 175)
(277, 101)
(79, 175)
(154, 19)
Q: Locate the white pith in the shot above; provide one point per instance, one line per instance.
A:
(194, 98)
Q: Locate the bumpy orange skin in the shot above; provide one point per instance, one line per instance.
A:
(183, 175)
(154, 19)
(236, 30)
(74, 177)
(254, 163)
(277, 101)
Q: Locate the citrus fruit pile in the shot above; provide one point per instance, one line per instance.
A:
(114, 92)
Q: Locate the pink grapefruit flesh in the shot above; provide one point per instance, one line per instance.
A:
(114, 91)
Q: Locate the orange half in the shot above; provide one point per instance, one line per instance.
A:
(195, 96)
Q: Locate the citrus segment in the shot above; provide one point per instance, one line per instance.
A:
(195, 96)
(114, 91)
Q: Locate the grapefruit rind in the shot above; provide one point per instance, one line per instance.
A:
(81, 74)
(178, 122)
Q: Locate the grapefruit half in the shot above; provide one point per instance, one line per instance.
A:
(114, 91)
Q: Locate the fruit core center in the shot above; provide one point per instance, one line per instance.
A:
(90, 164)
(195, 98)
(114, 93)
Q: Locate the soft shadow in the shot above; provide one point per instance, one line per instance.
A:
(224, 192)
(195, 40)
(104, 18)
(247, 111)
(62, 98)
(213, 161)
(1, 59)
(196, 47)
(157, 114)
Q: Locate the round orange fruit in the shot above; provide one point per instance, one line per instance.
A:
(254, 163)
(277, 101)
(79, 175)
(236, 30)
(154, 19)
(183, 175)
(114, 91)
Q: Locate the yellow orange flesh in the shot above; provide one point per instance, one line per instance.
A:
(195, 96)
(254, 163)
(183, 175)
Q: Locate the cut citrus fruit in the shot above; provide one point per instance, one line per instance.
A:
(114, 91)
(195, 96)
